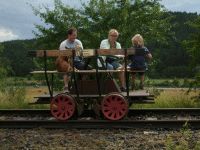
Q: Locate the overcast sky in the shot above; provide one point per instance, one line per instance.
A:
(17, 19)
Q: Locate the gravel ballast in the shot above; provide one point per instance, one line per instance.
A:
(95, 139)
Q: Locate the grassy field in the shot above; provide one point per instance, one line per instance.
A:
(174, 98)
(18, 92)
(21, 96)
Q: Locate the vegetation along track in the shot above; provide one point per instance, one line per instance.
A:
(136, 118)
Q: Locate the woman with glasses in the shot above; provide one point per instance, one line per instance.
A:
(112, 62)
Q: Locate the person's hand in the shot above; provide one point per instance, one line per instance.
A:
(78, 49)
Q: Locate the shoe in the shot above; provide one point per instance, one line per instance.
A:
(123, 89)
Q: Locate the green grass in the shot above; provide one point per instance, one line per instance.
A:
(18, 95)
(173, 99)
(15, 98)
(182, 140)
(173, 82)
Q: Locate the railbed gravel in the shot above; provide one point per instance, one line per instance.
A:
(115, 139)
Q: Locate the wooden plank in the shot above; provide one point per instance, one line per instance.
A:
(131, 51)
(129, 70)
(100, 71)
(110, 52)
(54, 53)
(42, 72)
(137, 93)
(87, 52)
(84, 71)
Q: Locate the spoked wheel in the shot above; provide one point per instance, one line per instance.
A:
(63, 106)
(114, 106)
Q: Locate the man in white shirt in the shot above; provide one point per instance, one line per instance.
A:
(72, 43)
(112, 61)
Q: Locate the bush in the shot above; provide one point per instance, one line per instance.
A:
(177, 71)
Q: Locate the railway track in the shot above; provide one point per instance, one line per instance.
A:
(100, 124)
(152, 118)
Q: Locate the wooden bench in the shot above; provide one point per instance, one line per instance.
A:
(96, 53)
(87, 53)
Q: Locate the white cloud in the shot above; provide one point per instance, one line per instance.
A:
(6, 35)
(18, 18)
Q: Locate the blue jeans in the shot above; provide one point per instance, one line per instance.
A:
(80, 65)
(113, 65)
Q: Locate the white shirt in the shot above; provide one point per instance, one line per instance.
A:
(66, 44)
(105, 44)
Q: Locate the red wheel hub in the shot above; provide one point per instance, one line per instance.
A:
(62, 106)
(114, 106)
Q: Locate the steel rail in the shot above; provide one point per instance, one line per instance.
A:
(132, 112)
(100, 124)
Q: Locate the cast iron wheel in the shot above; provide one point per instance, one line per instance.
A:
(114, 106)
(63, 106)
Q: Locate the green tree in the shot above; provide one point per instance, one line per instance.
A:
(16, 52)
(129, 17)
(4, 67)
(57, 21)
(98, 16)
(162, 30)
(173, 59)
(193, 46)
(193, 43)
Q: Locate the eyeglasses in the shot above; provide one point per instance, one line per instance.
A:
(113, 35)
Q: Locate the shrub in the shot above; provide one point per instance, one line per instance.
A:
(177, 71)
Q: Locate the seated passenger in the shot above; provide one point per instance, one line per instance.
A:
(71, 43)
(139, 62)
(112, 62)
